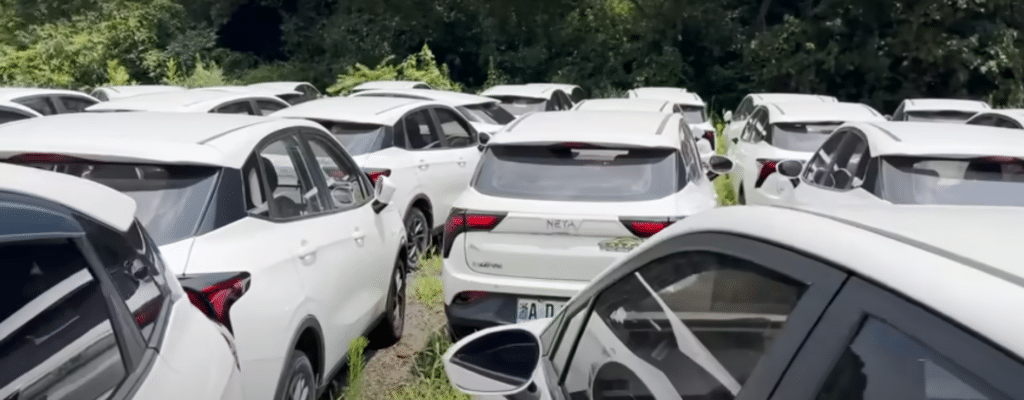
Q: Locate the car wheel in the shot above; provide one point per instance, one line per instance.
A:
(392, 325)
(300, 383)
(741, 198)
(418, 239)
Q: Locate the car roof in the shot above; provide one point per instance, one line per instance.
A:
(631, 128)
(140, 89)
(526, 91)
(98, 201)
(260, 90)
(565, 87)
(222, 140)
(362, 109)
(11, 93)
(820, 112)
(652, 105)
(454, 99)
(675, 95)
(761, 98)
(389, 85)
(282, 85)
(940, 139)
(194, 100)
(960, 261)
(944, 105)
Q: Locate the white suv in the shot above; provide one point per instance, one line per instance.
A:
(938, 110)
(427, 148)
(690, 104)
(484, 113)
(272, 205)
(88, 310)
(557, 198)
(734, 122)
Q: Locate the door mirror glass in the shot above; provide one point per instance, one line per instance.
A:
(720, 164)
(497, 361)
(484, 137)
(728, 116)
(383, 191)
(790, 168)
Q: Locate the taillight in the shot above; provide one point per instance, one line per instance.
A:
(376, 173)
(766, 167)
(214, 294)
(461, 220)
(646, 227)
(710, 136)
(470, 296)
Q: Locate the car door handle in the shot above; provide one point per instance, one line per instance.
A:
(308, 258)
(462, 163)
(358, 236)
(424, 165)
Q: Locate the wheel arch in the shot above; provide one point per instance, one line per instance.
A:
(422, 202)
(309, 339)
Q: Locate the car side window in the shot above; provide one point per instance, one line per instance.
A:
(744, 109)
(1004, 122)
(267, 107)
(817, 171)
(456, 132)
(850, 163)
(11, 116)
(756, 125)
(692, 324)
(691, 157)
(61, 342)
(240, 107)
(40, 104)
(341, 175)
(75, 104)
(292, 191)
(984, 120)
(420, 131)
(898, 114)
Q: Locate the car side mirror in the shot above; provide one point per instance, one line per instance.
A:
(790, 168)
(484, 137)
(383, 191)
(728, 116)
(498, 361)
(720, 164)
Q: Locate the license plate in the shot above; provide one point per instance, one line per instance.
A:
(531, 309)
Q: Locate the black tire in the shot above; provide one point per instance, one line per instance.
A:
(418, 237)
(299, 381)
(392, 325)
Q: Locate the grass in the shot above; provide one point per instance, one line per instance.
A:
(427, 287)
(723, 185)
(431, 381)
(356, 365)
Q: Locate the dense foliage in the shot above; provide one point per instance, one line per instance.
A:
(875, 51)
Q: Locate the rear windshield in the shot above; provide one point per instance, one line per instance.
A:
(694, 114)
(520, 105)
(800, 137)
(170, 199)
(358, 138)
(994, 181)
(570, 174)
(940, 116)
(488, 113)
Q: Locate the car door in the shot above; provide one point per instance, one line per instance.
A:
(354, 259)
(873, 344)
(423, 140)
(461, 156)
(73, 104)
(706, 316)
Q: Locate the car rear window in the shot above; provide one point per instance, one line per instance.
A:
(987, 181)
(358, 138)
(488, 113)
(800, 137)
(565, 173)
(521, 105)
(940, 116)
(694, 114)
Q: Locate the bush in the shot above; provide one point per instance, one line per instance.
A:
(204, 75)
(421, 66)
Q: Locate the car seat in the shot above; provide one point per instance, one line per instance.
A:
(285, 206)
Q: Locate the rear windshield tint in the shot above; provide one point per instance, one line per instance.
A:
(571, 174)
(358, 138)
(521, 105)
(940, 116)
(800, 137)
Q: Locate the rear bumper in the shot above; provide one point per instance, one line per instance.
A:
(495, 309)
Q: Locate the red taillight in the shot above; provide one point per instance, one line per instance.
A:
(376, 173)
(48, 158)
(461, 220)
(767, 168)
(214, 294)
(710, 136)
(470, 296)
(646, 227)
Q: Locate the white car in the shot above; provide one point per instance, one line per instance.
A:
(575, 92)
(772, 303)
(735, 122)
(387, 85)
(907, 163)
(88, 309)
(1006, 118)
(306, 91)
(108, 93)
(522, 99)
(233, 201)
(784, 131)
(938, 110)
(691, 105)
(20, 103)
(484, 113)
(427, 148)
(647, 105)
(557, 198)
(206, 100)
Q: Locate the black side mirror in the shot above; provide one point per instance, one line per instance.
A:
(499, 362)
(790, 168)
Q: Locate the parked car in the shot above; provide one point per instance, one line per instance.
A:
(1006, 118)
(372, 85)
(735, 122)
(522, 99)
(108, 93)
(907, 163)
(784, 131)
(575, 92)
(556, 199)
(88, 309)
(21, 103)
(206, 100)
(938, 110)
(426, 147)
(275, 205)
(648, 105)
(758, 302)
(692, 106)
(484, 113)
(306, 91)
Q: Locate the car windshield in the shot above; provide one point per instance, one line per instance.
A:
(520, 105)
(694, 114)
(488, 113)
(170, 199)
(940, 116)
(800, 137)
(357, 138)
(579, 174)
(995, 181)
